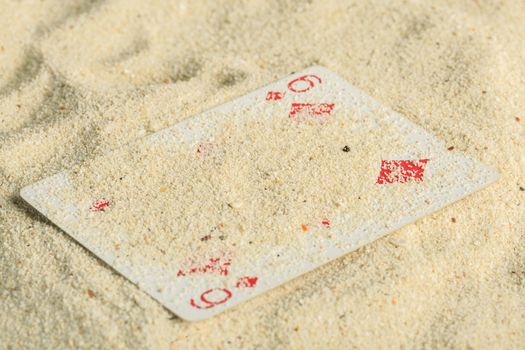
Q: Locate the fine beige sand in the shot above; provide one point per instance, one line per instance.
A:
(81, 78)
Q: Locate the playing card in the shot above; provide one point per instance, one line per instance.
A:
(242, 198)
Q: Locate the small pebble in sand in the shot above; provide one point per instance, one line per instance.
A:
(453, 220)
(346, 149)
(451, 148)
(235, 205)
(90, 293)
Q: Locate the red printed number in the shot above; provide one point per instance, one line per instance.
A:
(216, 293)
(303, 83)
(216, 296)
(401, 171)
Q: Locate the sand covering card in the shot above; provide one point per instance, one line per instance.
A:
(242, 198)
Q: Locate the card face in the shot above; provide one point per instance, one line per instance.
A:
(242, 198)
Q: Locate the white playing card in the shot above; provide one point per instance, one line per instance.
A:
(345, 172)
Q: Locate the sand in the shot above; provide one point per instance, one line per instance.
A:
(81, 79)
